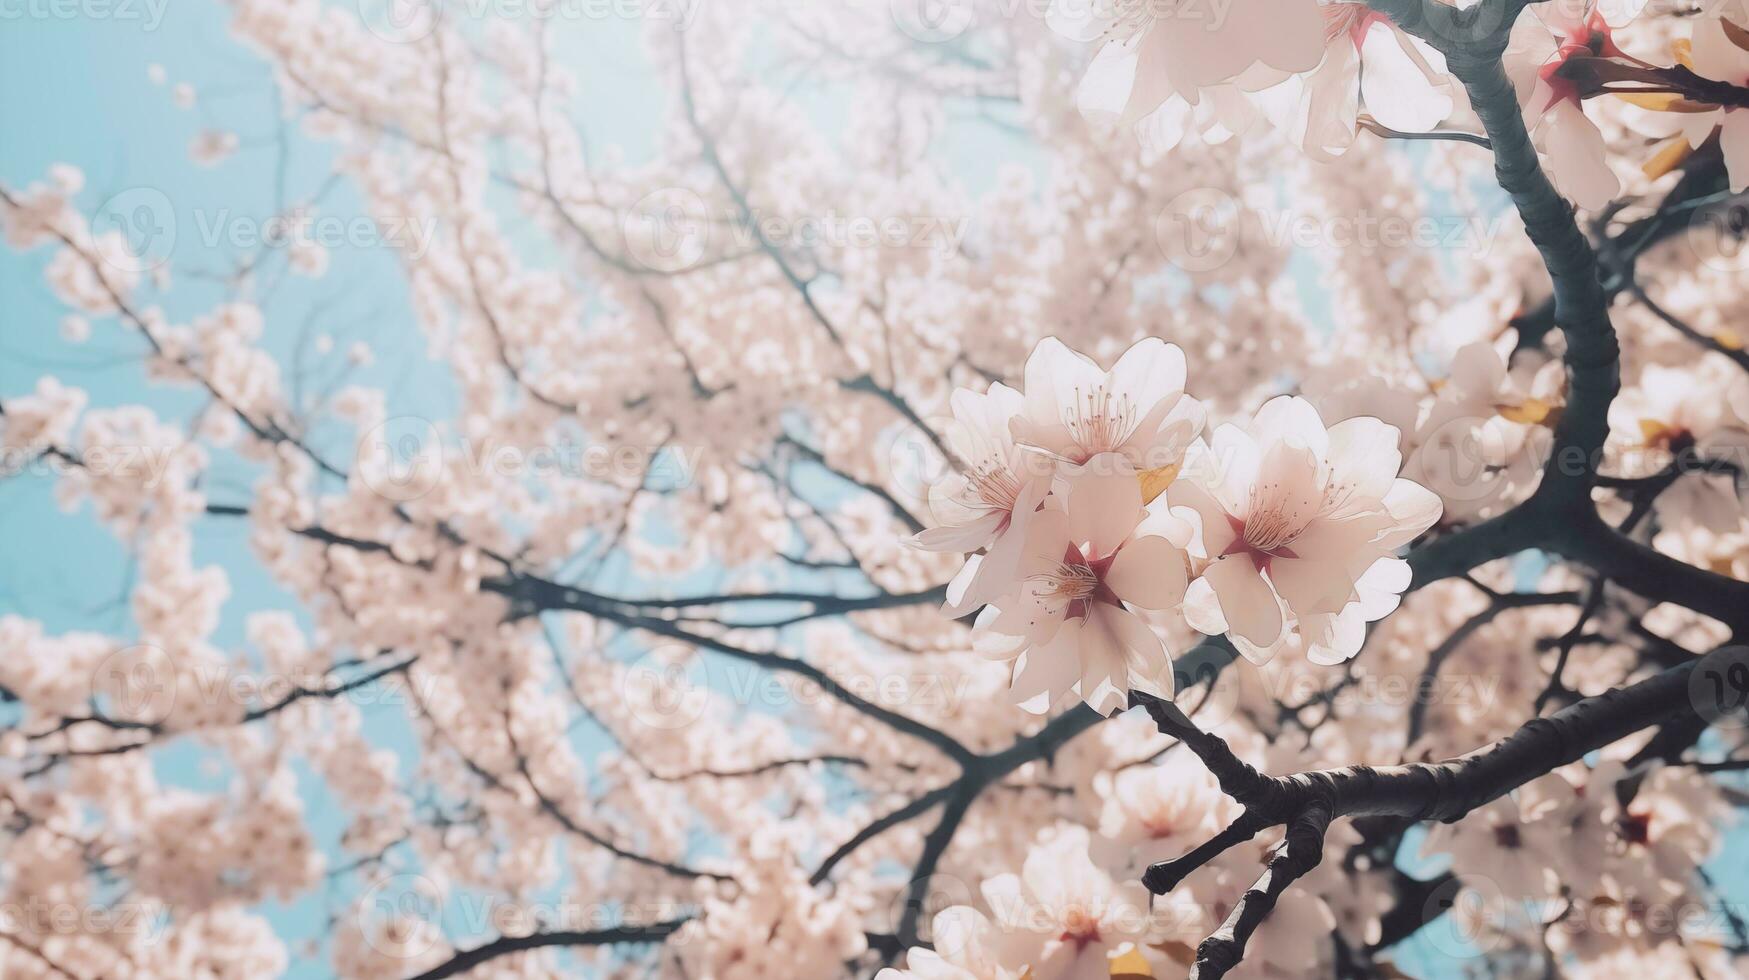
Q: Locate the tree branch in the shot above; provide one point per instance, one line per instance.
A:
(467, 959)
(1446, 791)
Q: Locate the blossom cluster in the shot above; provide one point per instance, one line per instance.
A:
(1561, 857)
(1095, 501)
(1318, 71)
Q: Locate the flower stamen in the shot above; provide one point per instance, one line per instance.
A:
(1099, 422)
(1129, 20)
(994, 484)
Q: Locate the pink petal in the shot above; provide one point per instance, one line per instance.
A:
(1401, 88)
(1248, 604)
(1311, 586)
(1149, 572)
(1104, 503)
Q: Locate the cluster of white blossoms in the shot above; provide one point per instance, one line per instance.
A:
(1100, 512)
(1315, 69)
(1061, 917)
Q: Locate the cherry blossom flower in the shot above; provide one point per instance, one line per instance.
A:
(1150, 49)
(1297, 523)
(1082, 916)
(1523, 848)
(212, 147)
(1572, 145)
(1153, 813)
(1479, 443)
(1667, 419)
(969, 947)
(1138, 410)
(1368, 60)
(1089, 558)
(42, 420)
(1219, 113)
(990, 503)
(1720, 51)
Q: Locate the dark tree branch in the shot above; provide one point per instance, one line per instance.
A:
(1692, 335)
(467, 959)
(1297, 855)
(1306, 802)
(1163, 877)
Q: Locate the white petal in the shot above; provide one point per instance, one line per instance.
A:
(1202, 608)
(1051, 669)
(1399, 84)
(1734, 142)
(955, 605)
(1149, 369)
(1578, 158)
(1164, 128)
(1321, 108)
(1363, 454)
(1713, 52)
(1414, 508)
(1285, 34)
(1104, 660)
(1054, 375)
(1618, 13)
(1191, 502)
(1386, 575)
(1152, 86)
(1292, 419)
(959, 537)
(1311, 586)
(1338, 637)
(1105, 89)
(1149, 572)
(1078, 20)
(1105, 503)
(1229, 467)
(1247, 602)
